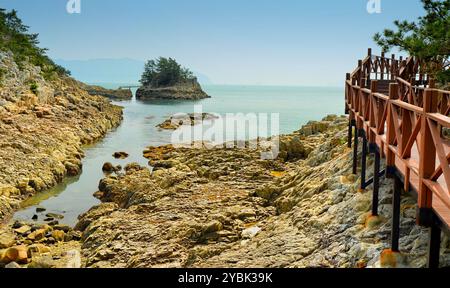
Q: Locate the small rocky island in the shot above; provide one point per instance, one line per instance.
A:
(165, 79)
(192, 119)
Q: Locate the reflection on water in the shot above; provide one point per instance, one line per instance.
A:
(73, 197)
(53, 192)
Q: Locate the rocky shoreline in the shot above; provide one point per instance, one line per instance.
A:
(229, 208)
(44, 124)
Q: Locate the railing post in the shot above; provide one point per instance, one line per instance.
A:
(374, 149)
(390, 135)
(369, 65)
(372, 103)
(376, 181)
(427, 160)
(382, 66)
(406, 134)
(355, 151)
(347, 91)
(363, 160)
(350, 132)
(393, 67)
(432, 83)
(396, 201)
(360, 74)
(434, 246)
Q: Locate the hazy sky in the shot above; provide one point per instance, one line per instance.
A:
(274, 42)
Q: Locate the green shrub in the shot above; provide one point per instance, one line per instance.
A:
(34, 88)
(428, 38)
(14, 37)
(163, 72)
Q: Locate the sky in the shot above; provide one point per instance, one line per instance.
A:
(245, 42)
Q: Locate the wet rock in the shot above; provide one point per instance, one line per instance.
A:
(17, 224)
(62, 227)
(54, 216)
(40, 209)
(72, 169)
(53, 223)
(120, 155)
(99, 194)
(108, 167)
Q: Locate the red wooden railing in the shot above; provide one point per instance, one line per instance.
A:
(396, 104)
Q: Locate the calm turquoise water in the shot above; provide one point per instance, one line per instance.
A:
(295, 105)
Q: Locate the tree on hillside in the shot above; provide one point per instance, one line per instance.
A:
(163, 72)
(14, 37)
(428, 39)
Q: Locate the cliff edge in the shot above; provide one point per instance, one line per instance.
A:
(43, 125)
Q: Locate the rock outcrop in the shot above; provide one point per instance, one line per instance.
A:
(43, 125)
(187, 90)
(191, 119)
(113, 94)
(229, 208)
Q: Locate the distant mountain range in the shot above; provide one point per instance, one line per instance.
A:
(111, 70)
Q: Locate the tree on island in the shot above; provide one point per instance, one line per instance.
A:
(428, 39)
(164, 72)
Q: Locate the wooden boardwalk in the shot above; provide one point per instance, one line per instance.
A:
(400, 116)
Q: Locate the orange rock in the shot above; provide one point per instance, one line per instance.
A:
(391, 259)
(373, 221)
(16, 254)
(361, 264)
(58, 235)
(37, 235)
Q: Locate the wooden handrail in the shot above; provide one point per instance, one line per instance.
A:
(414, 117)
